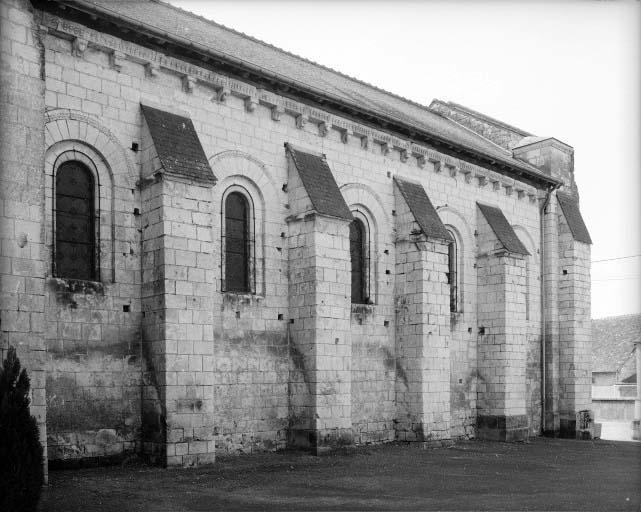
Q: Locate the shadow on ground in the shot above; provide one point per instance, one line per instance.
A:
(545, 474)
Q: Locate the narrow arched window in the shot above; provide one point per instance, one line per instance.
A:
(527, 287)
(452, 274)
(357, 256)
(75, 222)
(237, 243)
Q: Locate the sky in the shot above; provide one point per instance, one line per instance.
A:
(567, 69)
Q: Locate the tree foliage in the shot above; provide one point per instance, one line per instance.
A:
(21, 456)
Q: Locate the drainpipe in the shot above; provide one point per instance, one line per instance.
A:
(544, 206)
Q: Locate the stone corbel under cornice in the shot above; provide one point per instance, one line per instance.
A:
(188, 50)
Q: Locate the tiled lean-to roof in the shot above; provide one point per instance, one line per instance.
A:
(177, 145)
(205, 36)
(320, 184)
(422, 209)
(572, 214)
(502, 229)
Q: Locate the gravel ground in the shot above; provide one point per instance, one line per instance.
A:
(544, 474)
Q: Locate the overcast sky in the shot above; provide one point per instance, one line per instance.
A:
(565, 69)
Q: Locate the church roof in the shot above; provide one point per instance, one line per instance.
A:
(422, 209)
(502, 229)
(205, 36)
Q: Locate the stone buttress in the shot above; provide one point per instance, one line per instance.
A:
(319, 307)
(575, 324)
(178, 284)
(566, 289)
(422, 318)
(502, 340)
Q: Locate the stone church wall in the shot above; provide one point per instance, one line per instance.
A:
(96, 361)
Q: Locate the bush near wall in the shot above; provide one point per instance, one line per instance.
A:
(21, 454)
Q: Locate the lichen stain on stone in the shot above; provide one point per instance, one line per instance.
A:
(460, 393)
(327, 389)
(74, 408)
(389, 360)
(400, 372)
(362, 312)
(153, 422)
(239, 301)
(67, 291)
(189, 404)
(154, 412)
(298, 362)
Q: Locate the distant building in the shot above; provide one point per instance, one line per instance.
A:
(614, 373)
(212, 245)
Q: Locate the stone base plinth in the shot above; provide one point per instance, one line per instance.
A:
(321, 442)
(502, 428)
(567, 428)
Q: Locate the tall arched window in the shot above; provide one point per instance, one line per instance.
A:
(237, 248)
(357, 251)
(452, 273)
(75, 222)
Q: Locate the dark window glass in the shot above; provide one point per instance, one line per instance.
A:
(75, 222)
(452, 278)
(236, 243)
(357, 255)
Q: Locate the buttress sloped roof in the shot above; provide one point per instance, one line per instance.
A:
(502, 229)
(613, 341)
(177, 145)
(319, 183)
(422, 209)
(189, 29)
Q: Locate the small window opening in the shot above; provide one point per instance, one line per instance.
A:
(452, 274)
(237, 241)
(357, 255)
(75, 228)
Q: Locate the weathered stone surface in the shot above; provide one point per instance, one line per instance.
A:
(155, 357)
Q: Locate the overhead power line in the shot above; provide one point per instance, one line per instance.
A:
(619, 258)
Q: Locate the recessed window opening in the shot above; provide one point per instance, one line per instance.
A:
(527, 288)
(452, 274)
(75, 222)
(359, 264)
(237, 243)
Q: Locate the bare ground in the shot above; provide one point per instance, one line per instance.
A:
(544, 474)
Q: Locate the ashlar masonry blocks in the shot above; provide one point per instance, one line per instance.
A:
(404, 368)
(502, 342)
(178, 415)
(22, 269)
(423, 332)
(574, 328)
(319, 311)
(320, 335)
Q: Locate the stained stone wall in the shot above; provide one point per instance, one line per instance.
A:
(22, 243)
(155, 357)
